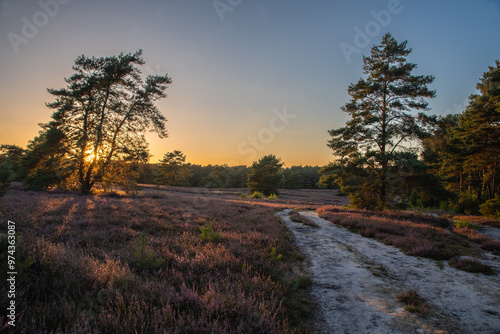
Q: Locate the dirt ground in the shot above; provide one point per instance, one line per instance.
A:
(356, 281)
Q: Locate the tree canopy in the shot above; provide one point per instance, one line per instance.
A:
(10, 162)
(173, 170)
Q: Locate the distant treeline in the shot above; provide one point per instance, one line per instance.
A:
(224, 176)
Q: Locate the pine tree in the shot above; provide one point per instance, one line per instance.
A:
(173, 170)
(373, 140)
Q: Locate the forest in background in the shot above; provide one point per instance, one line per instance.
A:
(224, 176)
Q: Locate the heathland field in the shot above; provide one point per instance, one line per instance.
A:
(191, 260)
(179, 261)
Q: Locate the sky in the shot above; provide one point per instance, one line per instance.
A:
(249, 77)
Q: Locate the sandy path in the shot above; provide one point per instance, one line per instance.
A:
(490, 231)
(356, 280)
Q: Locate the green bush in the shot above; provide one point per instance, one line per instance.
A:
(459, 223)
(143, 259)
(273, 197)
(208, 233)
(467, 205)
(415, 201)
(257, 194)
(491, 208)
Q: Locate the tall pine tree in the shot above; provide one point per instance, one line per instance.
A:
(373, 141)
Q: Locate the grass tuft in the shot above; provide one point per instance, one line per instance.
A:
(413, 301)
(208, 233)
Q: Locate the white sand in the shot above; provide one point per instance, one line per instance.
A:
(356, 280)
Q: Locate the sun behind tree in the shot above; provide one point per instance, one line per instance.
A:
(97, 132)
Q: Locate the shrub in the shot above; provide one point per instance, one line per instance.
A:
(491, 208)
(273, 197)
(470, 265)
(414, 234)
(479, 220)
(208, 233)
(468, 205)
(5, 177)
(144, 259)
(491, 245)
(363, 200)
(470, 234)
(257, 194)
(459, 223)
(428, 251)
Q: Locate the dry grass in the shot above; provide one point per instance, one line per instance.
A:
(140, 264)
(413, 301)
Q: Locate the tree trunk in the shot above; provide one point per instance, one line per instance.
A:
(383, 192)
(86, 187)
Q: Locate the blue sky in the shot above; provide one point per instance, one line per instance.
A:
(249, 77)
